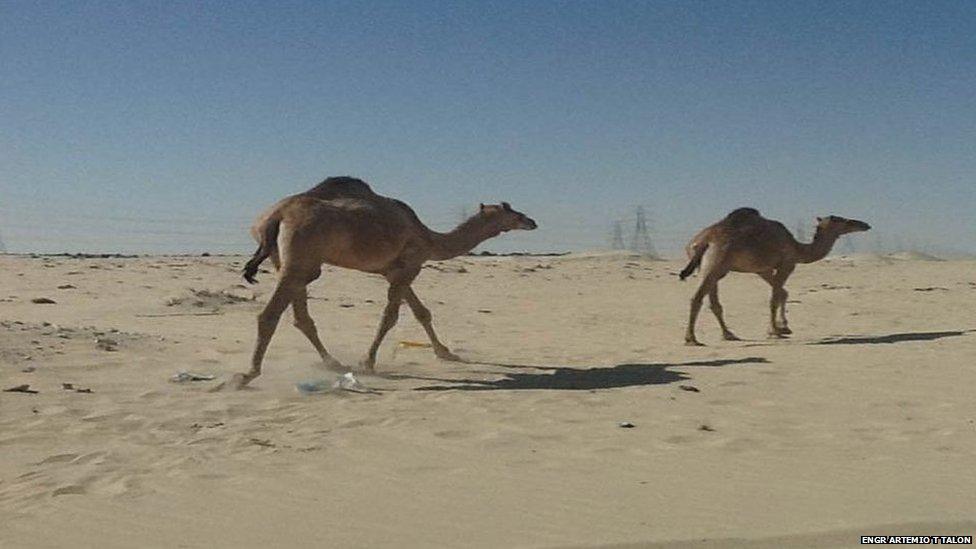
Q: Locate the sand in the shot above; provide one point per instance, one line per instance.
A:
(864, 422)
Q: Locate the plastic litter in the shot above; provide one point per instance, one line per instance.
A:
(415, 344)
(183, 377)
(311, 387)
(345, 382)
(25, 388)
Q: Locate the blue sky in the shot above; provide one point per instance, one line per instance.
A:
(166, 127)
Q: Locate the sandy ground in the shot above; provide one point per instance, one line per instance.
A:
(864, 422)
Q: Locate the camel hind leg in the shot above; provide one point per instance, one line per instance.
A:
(716, 307)
(293, 276)
(284, 293)
(306, 325)
(709, 284)
(712, 270)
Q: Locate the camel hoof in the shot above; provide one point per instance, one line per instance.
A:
(448, 355)
(785, 330)
(731, 337)
(368, 365)
(775, 335)
(333, 365)
(693, 343)
(235, 383)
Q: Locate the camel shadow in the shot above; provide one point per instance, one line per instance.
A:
(577, 379)
(890, 338)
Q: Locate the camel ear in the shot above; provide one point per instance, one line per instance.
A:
(819, 219)
(481, 206)
(507, 206)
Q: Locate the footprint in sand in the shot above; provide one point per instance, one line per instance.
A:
(58, 458)
(677, 439)
(121, 486)
(453, 434)
(90, 457)
(70, 489)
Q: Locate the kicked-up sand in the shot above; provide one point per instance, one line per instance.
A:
(862, 423)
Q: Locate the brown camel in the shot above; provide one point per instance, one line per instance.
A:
(746, 242)
(342, 222)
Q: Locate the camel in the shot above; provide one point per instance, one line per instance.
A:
(342, 222)
(746, 242)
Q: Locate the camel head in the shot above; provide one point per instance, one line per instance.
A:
(507, 218)
(837, 225)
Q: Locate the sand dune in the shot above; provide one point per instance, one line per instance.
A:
(864, 422)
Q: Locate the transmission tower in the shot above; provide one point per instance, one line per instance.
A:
(642, 238)
(617, 239)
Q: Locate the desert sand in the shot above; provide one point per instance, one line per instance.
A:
(862, 423)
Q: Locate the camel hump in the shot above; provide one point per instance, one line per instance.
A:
(742, 215)
(341, 187)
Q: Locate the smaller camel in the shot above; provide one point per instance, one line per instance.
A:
(342, 222)
(746, 242)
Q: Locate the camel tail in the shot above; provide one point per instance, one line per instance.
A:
(694, 263)
(267, 245)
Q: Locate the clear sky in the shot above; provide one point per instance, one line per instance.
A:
(167, 126)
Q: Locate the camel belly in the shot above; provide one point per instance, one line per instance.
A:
(751, 262)
(357, 252)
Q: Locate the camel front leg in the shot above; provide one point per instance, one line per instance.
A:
(423, 316)
(782, 325)
(776, 299)
(390, 315)
(782, 274)
(777, 313)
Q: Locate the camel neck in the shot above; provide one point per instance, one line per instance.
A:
(464, 238)
(819, 248)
